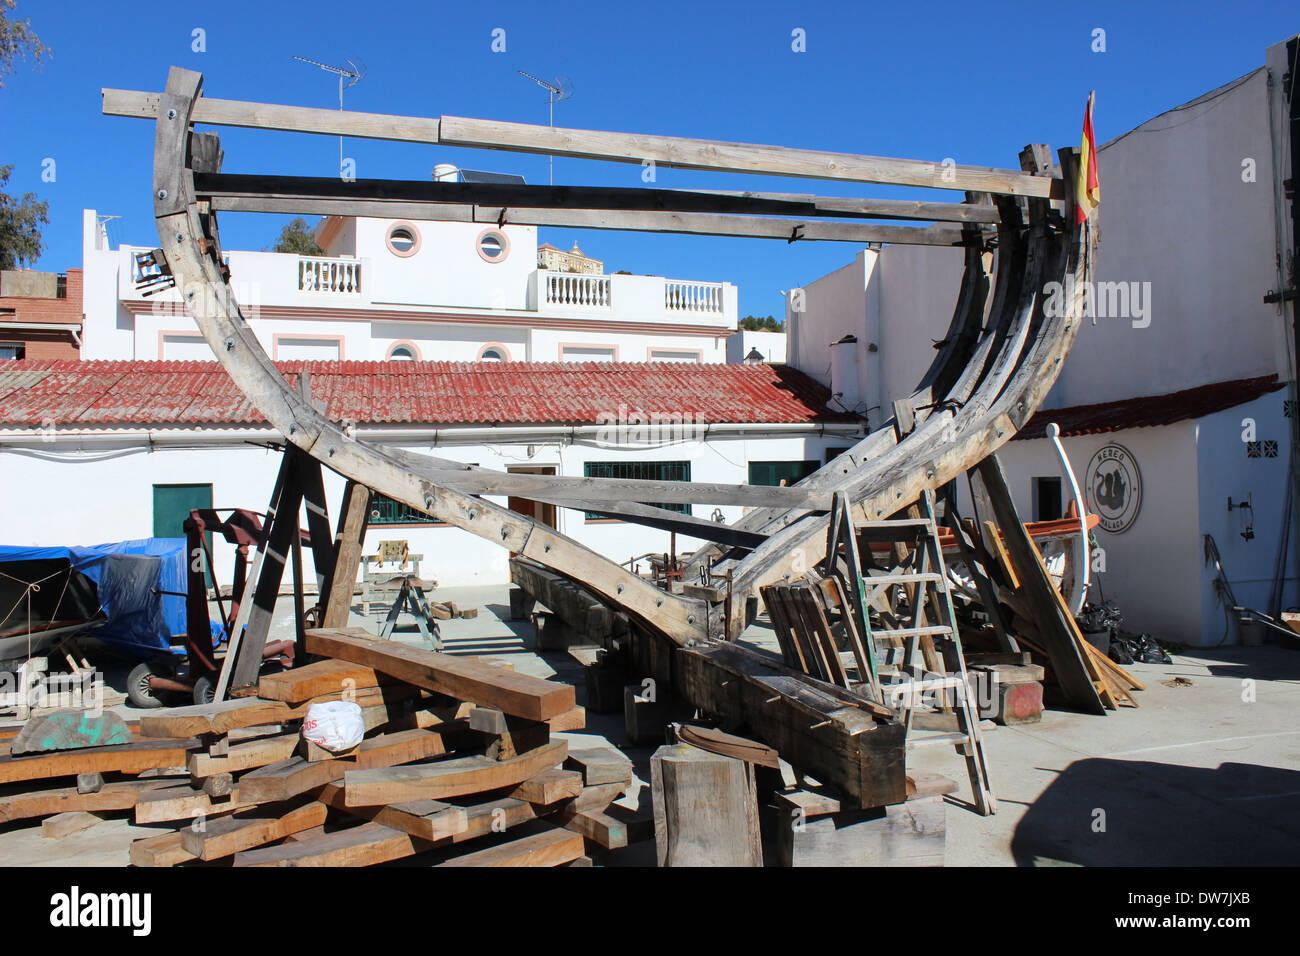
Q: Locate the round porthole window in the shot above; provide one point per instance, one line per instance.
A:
(493, 245)
(403, 239)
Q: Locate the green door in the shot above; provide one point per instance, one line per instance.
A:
(172, 505)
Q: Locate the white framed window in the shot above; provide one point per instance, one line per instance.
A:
(494, 352)
(675, 355)
(493, 245)
(184, 347)
(588, 353)
(308, 348)
(404, 352)
(403, 239)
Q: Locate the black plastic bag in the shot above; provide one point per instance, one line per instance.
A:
(1127, 648)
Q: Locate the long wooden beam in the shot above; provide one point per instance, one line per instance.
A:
(682, 223)
(668, 151)
(228, 186)
(682, 153)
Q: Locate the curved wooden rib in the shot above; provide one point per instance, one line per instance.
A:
(998, 362)
(185, 233)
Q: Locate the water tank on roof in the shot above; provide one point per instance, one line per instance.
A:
(446, 173)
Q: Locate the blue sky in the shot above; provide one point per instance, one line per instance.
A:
(972, 81)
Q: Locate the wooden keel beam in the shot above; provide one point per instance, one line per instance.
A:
(459, 677)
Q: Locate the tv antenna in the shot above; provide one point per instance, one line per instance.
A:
(556, 90)
(353, 73)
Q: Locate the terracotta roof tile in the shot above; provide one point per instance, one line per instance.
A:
(398, 393)
(1151, 410)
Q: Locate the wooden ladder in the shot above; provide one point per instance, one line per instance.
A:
(942, 668)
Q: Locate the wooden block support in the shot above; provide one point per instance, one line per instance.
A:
(65, 824)
(705, 809)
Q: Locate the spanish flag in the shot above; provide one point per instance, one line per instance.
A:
(1087, 191)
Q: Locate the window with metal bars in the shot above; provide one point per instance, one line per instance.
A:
(642, 470)
(384, 510)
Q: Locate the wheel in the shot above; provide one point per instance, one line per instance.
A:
(138, 691)
(205, 689)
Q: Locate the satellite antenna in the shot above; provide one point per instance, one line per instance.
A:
(354, 73)
(558, 89)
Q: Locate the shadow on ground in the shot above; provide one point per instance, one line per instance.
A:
(1105, 812)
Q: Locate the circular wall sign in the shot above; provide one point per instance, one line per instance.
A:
(1113, 486)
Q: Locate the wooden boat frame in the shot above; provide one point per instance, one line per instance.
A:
(1004, 347)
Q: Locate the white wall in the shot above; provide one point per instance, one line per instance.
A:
(1153, 568)
(447, 270)
(1175, 213)
(1227, 471)
(770, 345)
(107, 495)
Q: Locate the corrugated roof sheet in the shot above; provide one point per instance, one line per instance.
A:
(424, 393)
(1152, 410)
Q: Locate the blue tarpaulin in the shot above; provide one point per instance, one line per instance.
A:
(128, 576)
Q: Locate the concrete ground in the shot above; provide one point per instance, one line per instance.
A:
(1203, 773)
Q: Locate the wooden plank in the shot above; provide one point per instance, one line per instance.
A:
(680, 153)
(218, 718)
(549, 786)
(599, 765)
(162, 850)
(70, 730)
(288, 778)
(66, 824)
(168, 804)
(348, 545)
(229, 835)
(447, 778)
(247, 756)
(458, 677)
(229, 190)
(300, 684)
(120, 795)
(428, 820)
(1036, 587)
(667, 151)
(123, 758)
(366, 845)
(598, 827)
(570, 720)
(551, 847)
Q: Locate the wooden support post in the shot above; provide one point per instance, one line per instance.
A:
(705, 809)
(336, 598)
(1037, 589)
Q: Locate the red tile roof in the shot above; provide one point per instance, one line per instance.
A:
(400, 393)
(1151, 410)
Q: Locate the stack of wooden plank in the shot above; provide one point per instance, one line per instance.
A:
(459, 766)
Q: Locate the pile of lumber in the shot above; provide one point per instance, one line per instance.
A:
(460, 766)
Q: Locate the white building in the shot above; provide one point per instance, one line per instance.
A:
(104, 451)
(1180, 369)
(435, 291)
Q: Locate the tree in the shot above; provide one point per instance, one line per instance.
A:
(766, 323)
(16, 39)
(296, 238)
(20, 225)
(20, 221)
